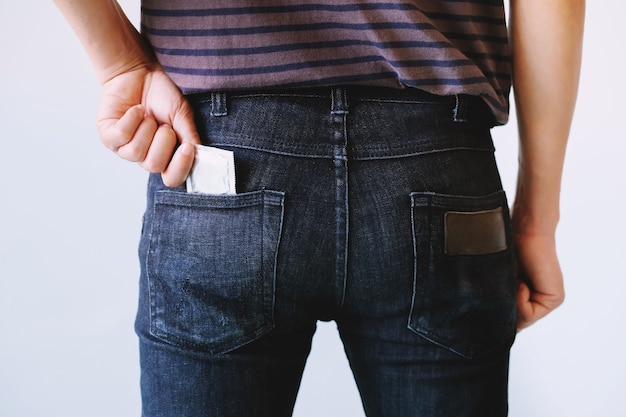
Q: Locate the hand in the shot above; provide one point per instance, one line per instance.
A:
(143, 117)
(541, 280)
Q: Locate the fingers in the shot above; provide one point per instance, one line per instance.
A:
(164, 157)
(138, 138)
(144, 118)
(180, 165)
(527, 313)
(534, 304)
(541, 288)
(159, 153)
(136, 149)
(184, 124)
(183, 128)
(116, 133)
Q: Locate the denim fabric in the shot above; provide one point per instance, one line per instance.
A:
(340, 210)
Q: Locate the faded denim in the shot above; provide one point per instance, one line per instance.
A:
(339, 215)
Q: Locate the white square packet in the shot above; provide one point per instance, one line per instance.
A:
(213, 172)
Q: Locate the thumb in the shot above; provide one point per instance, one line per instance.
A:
(184, 127)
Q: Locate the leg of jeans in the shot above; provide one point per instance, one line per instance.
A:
(427, 332)
(231, 285)
(416, 378)
(260, 379)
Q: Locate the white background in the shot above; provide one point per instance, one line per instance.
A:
(70, 216)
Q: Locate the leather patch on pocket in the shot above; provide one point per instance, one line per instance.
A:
(474, 232)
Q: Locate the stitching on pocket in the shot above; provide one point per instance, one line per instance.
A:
(211, 268)
(465, 303)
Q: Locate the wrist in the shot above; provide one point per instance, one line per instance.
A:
(127, 53)
(535, 211)
(112, 42)
(123, 64)
(534, 219)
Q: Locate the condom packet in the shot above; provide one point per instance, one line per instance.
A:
(213, 172)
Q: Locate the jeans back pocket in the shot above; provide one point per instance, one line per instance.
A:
(211, 264)
(464, 296)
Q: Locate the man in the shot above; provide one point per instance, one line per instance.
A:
(228, 332)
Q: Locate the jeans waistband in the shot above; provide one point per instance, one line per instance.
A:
(462, 107)
(371, 122)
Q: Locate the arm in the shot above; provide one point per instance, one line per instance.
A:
(142, 115)
(546, 37)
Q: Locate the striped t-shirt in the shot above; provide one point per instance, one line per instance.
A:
(444, 47)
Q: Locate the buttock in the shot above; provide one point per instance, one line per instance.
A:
(340, 213)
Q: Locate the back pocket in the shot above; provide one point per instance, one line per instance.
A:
(464, 296)
(211, 268)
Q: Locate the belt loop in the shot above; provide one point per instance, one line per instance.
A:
(459, 112)
(218, 104)
(339, 104)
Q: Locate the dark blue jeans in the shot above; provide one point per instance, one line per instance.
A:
(380, 209)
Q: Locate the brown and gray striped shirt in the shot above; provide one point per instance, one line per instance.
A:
(442, 46)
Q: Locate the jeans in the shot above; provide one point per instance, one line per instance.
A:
(379, 209)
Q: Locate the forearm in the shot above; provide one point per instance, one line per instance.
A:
(546, 37)
(111, 41)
